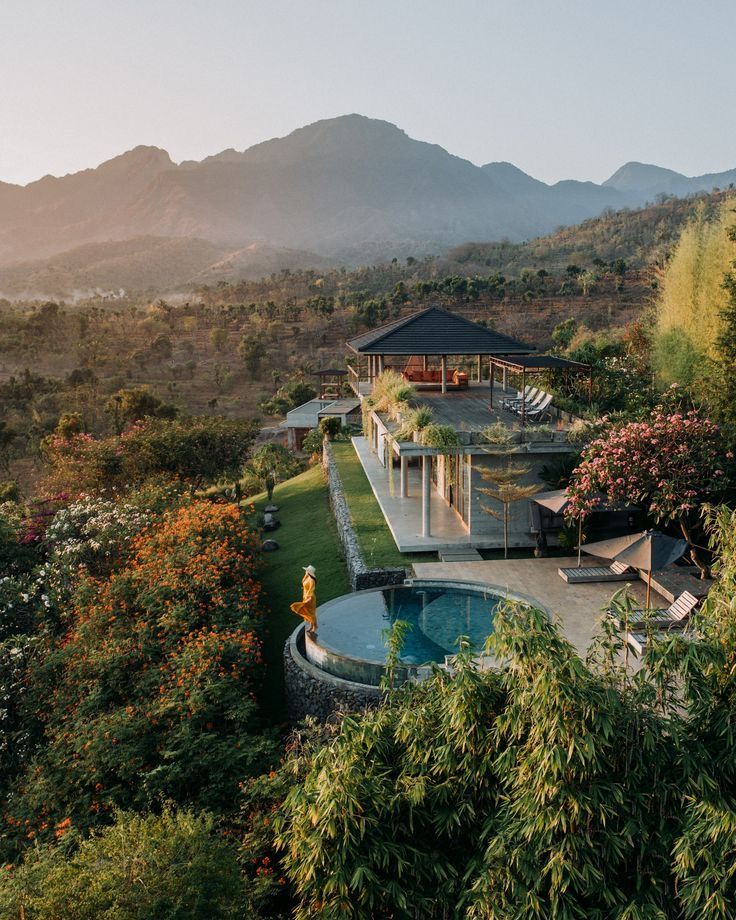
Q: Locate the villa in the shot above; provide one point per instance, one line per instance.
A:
(460, 370)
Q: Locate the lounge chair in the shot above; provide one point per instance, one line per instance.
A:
(528, 394)
(528, 404)
(536, 412)
(639, 640)
(616, 571)
(673, 617)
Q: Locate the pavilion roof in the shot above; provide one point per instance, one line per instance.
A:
(436, 331)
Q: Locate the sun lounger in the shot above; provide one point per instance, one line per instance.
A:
(638, 640)
(529, 394)
(616, 571)
(542, 408)
(528, 404)
(675, 616)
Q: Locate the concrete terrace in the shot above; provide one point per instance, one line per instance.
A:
(577, 607)
(404, 515)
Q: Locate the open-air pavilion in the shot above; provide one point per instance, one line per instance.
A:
(422, 348)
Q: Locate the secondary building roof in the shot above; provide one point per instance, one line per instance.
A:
(436, 331)
(539, 363)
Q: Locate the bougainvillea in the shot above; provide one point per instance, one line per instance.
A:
(668, 465)
(149, 692)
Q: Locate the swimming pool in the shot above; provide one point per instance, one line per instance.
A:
(350, 641)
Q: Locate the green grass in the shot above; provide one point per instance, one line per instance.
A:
(307, 536)
(374, 537)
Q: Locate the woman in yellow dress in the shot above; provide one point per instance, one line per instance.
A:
(306, 608)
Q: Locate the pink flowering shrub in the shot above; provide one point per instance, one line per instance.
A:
(669, 465)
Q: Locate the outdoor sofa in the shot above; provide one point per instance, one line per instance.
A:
(432, 379)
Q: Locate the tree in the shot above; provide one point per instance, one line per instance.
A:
(7, 438)
(564, 333)
(132, 405)
(669, 465)
(289, 396)
(723, 393)
(330, 426)
(161, 347)
(543, 790)
(506, 489)
(169, 866)
(252, 350)
(218, 338)
(194, 449)
(272, 463)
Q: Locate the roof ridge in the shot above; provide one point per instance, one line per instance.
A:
(399, 324)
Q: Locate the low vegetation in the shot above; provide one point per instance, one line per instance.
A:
(307, 536)
(375, 539)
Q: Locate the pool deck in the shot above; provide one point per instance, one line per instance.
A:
(576, 607)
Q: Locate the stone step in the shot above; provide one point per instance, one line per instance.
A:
(461, 554)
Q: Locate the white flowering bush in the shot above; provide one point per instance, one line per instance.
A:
(87, 538)
(94, 531)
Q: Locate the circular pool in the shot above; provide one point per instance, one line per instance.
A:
(350, 641)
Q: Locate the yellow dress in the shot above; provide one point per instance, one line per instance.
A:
(306, 608)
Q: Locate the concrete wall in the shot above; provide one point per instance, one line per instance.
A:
(311, 692)
(482, 523)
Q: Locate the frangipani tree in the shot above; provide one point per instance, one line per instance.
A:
(669, 465)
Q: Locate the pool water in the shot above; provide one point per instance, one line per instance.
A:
(436, 614)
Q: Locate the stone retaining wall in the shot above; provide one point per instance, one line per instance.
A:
(311, 692)
(361, 577)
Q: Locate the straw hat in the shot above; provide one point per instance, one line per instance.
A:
(310, 570)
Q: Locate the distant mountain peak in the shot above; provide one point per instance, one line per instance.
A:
(633, 176)
(350, 187)
(142, 156)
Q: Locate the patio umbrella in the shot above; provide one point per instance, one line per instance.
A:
(648, 551)
(557, 502)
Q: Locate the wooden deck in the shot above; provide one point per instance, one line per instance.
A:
(469, 410)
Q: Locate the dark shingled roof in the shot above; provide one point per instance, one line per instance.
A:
(435, 331)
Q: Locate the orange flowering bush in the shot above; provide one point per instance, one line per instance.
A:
(150, 691)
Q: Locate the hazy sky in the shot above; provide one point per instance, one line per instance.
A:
(562, 88)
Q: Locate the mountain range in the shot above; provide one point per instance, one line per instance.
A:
(346, 189)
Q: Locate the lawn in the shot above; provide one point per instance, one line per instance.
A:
(307, 536)
(374, 537)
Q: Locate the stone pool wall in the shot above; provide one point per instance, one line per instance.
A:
(361, 576)
(311, 692)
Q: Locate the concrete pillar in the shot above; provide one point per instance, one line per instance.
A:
(443, 363)
(404, 491)
(426, 492)
(505, 379)
(469, 493)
